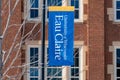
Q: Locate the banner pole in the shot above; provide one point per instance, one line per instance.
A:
(65, 70)
(43, 38)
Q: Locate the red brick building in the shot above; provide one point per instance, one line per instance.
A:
(96, 40)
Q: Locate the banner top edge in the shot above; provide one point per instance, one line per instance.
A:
(61, 8)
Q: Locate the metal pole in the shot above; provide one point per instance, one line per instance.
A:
(1, 40)
(43, 37)
(66, 69)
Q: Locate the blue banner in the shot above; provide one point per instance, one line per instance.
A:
(61, 37)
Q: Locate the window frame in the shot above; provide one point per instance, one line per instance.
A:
(81, 63)
(115, 11)
(32, 44)
(80, 19)
(115, 62)
(47, 10)
(28, 60)
(27, 13)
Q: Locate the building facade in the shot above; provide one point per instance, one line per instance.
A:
(96, 40)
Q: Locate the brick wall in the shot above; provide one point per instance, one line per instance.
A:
(98, 31)
(9, 70)
(91, 31)
(112, 35)
(95, 40)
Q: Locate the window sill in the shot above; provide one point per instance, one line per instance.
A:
(78, 20)
(33, 20)
(116, 22)
(39, 20)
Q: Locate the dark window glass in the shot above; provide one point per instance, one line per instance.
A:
(59, 72)
(33, 57)
(76, 52)
(58, 2)
(72, 2)
(34, 3)
(118, 57)
(54, 79)
(76, 57)
(118, 5)
(74, 72)
(118, 72)
(54, 2)
(54, 72)
(74, 78)
(33, 71)
(76, 14)
(118, 79)
(76, 3)
(33, 78)
(76, 62)
(33, 13)
(118, 14)
(48, 72)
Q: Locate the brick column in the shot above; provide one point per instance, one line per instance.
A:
(95, 40)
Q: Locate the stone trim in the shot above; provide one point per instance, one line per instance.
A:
(110, 67)
(85, 2)
(111, 49)
(110, 70)
(110, 13)
(85, 17)
(116, 43)
(76, 43)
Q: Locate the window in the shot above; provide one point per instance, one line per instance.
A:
(33, 59)
(53, 3)
(34, 8)
(75, 69)
(117, 64)
(52, 72)
(78, 9)
(55, 73)
(117, 10)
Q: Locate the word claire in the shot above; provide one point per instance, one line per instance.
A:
(60, 35)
